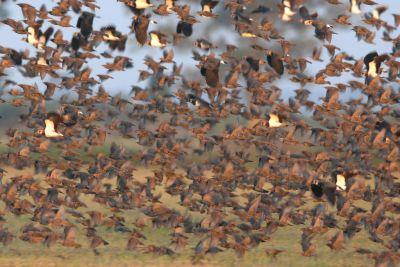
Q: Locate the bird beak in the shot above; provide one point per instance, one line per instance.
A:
(153, 22)
(223, 62)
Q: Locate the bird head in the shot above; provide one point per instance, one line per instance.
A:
(39, 132)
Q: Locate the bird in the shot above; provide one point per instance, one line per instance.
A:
(207, 7)
(210, 70)
(343, 19)
(320, 189)
(38, 38)
(372, 62)
(28, 11)
(376, 13)
(305, 14)
(261, 9)
(157, 39)
(339, 180)
(204, 44)
(140, 4)
(85, 24)
(323, 31)
(52, 122)
(114, 38)
(110, 33)
(170, 4)
(77, 41)
(287, 11)
(140, 27)
(70, 237)
(274, 121)
(254, 63)
(336, 242)
(185, 26)
(317, 188)
(274, 252)
(69, 117)
(355, 6)
(197, 101)
(275, 61)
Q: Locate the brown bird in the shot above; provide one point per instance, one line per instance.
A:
(69, 239)
(336, 242)
(207, 7)
(210, 70)
(29, 12)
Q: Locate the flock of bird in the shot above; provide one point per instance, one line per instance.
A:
(226, 146)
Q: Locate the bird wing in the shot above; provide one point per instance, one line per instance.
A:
(340, 182)
(50, 130)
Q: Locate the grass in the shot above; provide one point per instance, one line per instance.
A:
(20, 253)
(24, 254)
(287, 238)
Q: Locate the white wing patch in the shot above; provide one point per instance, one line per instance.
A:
(354, 7)
(206, 8)
(274, 121)
(31, 36)
(108, 36)
(372, 71)
(142, 4)
(340, 182)
(42, 61)
(287, 13)
(155, 41)
(49, 131)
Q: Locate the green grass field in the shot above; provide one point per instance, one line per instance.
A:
(287, 238)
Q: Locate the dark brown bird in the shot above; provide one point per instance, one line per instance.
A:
(276, 62)
(373, 63)
(210, 70)
(140, 26)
